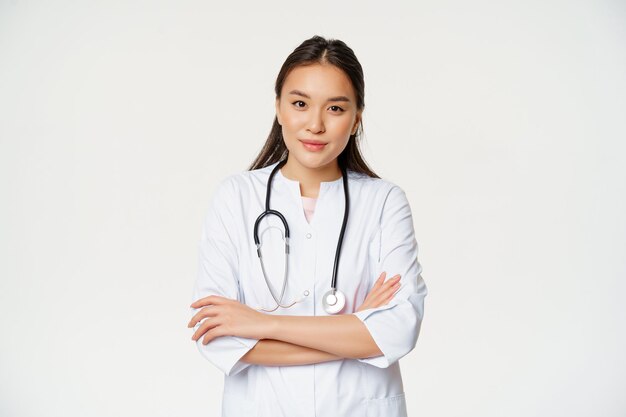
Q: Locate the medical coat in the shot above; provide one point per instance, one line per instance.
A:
(379, 237)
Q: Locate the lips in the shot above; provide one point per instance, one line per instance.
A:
(313, 145)
(312, 141)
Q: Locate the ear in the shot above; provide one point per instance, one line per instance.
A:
(356, 123)
(277, 105)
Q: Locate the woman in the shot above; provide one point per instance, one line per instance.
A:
(291, 347)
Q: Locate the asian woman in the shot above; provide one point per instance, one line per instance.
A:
(304, 322)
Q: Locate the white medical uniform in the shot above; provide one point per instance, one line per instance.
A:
(379, 237)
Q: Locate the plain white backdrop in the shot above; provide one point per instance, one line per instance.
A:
(504, 121)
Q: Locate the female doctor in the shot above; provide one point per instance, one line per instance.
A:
(292, 303)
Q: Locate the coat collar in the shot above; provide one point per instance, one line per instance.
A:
(294, 185)
(327, 204)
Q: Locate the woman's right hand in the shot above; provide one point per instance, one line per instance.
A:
(382, 292)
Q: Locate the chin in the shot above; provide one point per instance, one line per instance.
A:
(312, 161)
(309, 164)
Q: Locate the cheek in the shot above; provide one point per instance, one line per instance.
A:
(342, 125)
(293, 120)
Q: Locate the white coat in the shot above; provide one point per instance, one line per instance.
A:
(379, 237)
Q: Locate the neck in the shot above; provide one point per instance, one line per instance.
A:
(310, 178)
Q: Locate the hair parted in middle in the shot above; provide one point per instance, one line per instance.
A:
(318, 50)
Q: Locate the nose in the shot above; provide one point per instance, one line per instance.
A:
(316, 122)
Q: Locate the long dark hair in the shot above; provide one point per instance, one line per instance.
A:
(323, 51)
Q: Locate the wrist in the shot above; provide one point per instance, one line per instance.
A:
(271, 327)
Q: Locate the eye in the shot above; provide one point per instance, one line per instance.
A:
(298, 101)
(337, 107)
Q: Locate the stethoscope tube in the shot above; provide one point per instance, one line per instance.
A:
(333, 301)
(257, 242)
(333, 283)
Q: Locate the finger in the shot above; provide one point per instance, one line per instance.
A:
(392, 289)
(206, 326)
(379, 281)
(380, 284)
(375, 287)
(210, 300)
(205, 301)
(384, 302)
(393, 280)
(389, 283)
(211, 334)
(374, 296)
(385, 286)
(385, 293)
(202, 313)
(205, 312)
(364, 306)
(383, 299)
(397, 290)
(393, 295)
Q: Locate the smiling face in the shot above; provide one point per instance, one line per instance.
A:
(318, 113)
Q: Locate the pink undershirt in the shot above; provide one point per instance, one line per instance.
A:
(309, 207)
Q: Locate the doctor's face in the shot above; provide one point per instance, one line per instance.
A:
(317, 111)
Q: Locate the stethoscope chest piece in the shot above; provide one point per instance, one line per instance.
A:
(334, 301)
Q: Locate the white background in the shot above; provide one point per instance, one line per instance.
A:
(503, 121)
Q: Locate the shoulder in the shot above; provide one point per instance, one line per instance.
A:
(225, 187)
(239, 184)
(377, 188)
(386, 201)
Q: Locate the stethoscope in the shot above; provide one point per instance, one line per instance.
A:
(334, 300)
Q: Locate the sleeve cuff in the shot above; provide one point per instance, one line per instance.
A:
(394, 328)
(379, 361)
(225, 352)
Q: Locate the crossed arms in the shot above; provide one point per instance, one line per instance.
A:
(293, 340)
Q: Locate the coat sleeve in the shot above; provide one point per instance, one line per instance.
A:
(396, 326)
(217, 275)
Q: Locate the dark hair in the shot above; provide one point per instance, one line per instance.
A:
(313, 51)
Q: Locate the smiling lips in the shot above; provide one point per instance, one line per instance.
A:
(313, 145)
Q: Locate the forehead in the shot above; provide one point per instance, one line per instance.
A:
(319, 81)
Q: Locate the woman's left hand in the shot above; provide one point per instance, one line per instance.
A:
(226, 317)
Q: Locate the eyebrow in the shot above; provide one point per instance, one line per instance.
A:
(338, 98)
